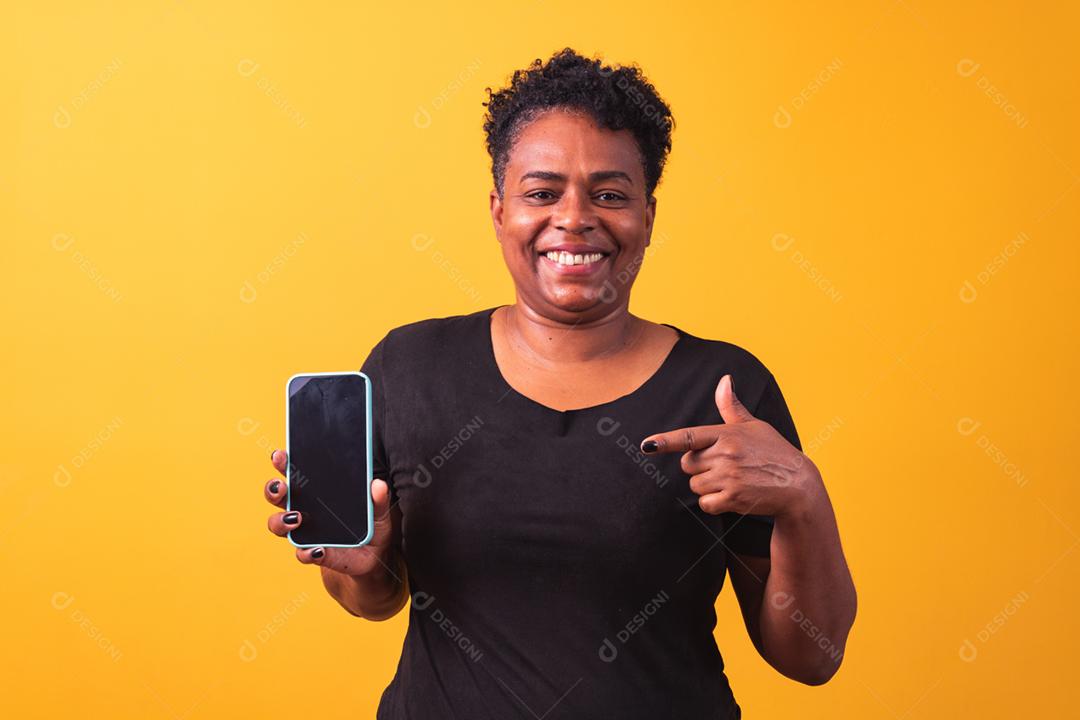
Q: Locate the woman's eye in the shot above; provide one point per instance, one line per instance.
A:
(612, 197)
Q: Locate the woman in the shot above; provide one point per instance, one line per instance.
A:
(557, 568)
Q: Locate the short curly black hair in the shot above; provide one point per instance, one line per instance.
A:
(616, 98)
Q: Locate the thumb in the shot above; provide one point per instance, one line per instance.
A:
(380, 495)
(731, 409)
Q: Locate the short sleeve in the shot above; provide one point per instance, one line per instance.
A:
(373, 368)
(752, 534)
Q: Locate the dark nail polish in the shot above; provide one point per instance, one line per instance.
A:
(290, 518)
(317, 553)
(275, 486)
(649, 446)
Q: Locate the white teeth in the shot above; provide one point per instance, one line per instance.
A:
(564, 258)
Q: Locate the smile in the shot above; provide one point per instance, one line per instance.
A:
(565, 258)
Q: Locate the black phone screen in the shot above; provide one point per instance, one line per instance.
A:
(329, 472)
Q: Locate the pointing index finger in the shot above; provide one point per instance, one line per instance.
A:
(698, 437)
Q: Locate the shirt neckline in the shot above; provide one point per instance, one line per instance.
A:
(508, 389)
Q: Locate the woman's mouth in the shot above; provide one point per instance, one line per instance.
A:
(564, 258)
(573, 263)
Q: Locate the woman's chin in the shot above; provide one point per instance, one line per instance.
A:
(580, 299)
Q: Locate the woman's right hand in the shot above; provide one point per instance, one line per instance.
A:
(372, 559)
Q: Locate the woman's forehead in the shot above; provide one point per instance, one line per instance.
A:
(565, 142)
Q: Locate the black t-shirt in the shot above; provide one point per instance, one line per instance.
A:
(555, 570)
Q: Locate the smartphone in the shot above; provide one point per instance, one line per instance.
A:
(328, 441)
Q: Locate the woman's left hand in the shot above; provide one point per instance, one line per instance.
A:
(743, 465)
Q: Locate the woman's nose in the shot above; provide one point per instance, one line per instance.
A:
(574, 213)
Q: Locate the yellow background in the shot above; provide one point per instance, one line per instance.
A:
(200, 199)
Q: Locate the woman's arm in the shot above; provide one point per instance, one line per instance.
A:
(382, 589)
(370, 581)
(799, 605)
(378, 595)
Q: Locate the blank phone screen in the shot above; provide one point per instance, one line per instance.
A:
(328, 469)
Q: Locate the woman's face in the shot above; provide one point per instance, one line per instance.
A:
(573, 189)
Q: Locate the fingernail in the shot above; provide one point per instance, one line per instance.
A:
(317, 553)
(290, 518)
(649, 446)
(274, 487)
(272, 454)
(731, 382)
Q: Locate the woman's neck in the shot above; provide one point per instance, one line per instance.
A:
(551, 342)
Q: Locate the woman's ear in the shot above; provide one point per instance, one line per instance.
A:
(496, 213)
(650, 215)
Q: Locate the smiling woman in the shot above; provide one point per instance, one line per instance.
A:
(563, 561)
